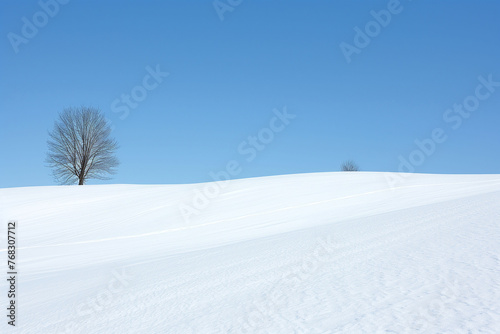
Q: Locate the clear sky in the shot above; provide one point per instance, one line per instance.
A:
(356, 84)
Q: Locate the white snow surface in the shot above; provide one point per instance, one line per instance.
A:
(305, 253)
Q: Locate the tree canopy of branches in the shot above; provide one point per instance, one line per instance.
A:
(80, 147)
(349, 166)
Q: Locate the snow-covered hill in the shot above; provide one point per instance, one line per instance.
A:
(306, 253)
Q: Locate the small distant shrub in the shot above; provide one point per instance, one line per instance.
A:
(349, 166)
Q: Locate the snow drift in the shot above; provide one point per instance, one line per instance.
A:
(306, 253)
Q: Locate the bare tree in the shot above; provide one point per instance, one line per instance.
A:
(349, 166)
(80, 147)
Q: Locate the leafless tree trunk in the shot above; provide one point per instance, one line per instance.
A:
(349, 166)
(80, 147)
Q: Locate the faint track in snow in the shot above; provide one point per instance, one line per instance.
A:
(182, 228)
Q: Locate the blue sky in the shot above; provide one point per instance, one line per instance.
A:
(228, 78)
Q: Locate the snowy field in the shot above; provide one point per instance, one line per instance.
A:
(306, 253)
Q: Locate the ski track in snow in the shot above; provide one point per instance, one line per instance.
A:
(314, 253)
